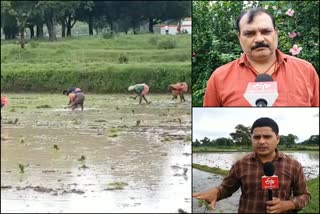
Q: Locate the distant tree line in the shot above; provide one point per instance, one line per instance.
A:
(16, 16)
(242, 137)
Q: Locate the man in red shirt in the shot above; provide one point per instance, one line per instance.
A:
(297, 80)
(292, 194)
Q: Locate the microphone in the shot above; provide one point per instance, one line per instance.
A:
(269, 181)
(263, 92)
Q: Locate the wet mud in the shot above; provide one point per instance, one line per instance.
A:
(115, 156)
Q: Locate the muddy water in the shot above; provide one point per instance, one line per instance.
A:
(204, 180)
(146, 149)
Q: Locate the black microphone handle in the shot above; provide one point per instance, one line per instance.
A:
(270, 194)
(261, 103)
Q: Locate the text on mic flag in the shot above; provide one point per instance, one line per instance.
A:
(267, 91)
(262, 87)
(270, 182)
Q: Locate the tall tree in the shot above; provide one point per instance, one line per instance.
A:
(8, 21)
(156, 12)
(86, 13)
(241, 136)
(68, 18)
(52, 11)
(22, 10)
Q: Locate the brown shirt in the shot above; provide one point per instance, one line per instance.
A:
(247, 172)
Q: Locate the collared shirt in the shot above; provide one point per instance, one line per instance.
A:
(247, 172)
(297, 80)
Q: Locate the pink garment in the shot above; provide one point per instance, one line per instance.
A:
(178, 88)
(77, 90)
(4, 101)
(145, 89)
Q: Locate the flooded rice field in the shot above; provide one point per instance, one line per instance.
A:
(202, 181)
(224, 160)
(115, 156)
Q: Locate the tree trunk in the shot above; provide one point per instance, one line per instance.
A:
(22, 37)
(63, 28)
(51, 30)
(40, 31)
(151, 25)
(90, 23)
(31, 31)
(69, 25)
(111, 27)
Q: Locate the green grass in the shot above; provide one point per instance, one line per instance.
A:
(214, 170)
(94, 63)
(313, 206)
(116, 186)
(221, 149)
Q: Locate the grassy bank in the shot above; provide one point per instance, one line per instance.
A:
(214, 170)
(313, 206)
(96, 64)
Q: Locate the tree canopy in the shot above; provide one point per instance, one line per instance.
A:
(114, 16)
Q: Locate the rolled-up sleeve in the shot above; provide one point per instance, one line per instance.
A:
(229, 185)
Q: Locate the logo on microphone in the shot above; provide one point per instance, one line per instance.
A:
(262, 86)
(270, 182)
(267, 91)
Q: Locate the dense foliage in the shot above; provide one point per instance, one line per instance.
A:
(215, 42)
(110, 16)
(242, 137)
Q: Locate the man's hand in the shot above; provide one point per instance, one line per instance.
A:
(210, 196)
(278, 206)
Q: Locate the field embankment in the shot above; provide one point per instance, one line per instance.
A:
(96, 64)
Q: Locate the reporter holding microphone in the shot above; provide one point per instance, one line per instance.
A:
(266, 163)
(297, 80)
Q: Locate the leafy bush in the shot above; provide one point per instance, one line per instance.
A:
(107, 35)
(167, 44)
(153, 40)
(34, 44)
(102, 79)
(123, 59)
(215, 43)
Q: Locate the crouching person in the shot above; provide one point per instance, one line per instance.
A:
(4, 102)
(178, 89)
(76, 97)
(141, 90)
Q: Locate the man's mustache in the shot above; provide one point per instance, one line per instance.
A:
(259, 45)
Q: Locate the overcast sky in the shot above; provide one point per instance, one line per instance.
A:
(220, 122)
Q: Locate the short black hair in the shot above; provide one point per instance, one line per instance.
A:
(265, 121)
(253, 13)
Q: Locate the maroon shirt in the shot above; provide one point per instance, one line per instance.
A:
(247, 172)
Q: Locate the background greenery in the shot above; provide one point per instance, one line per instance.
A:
(96, 64)
(214, 40)
(240, 139)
